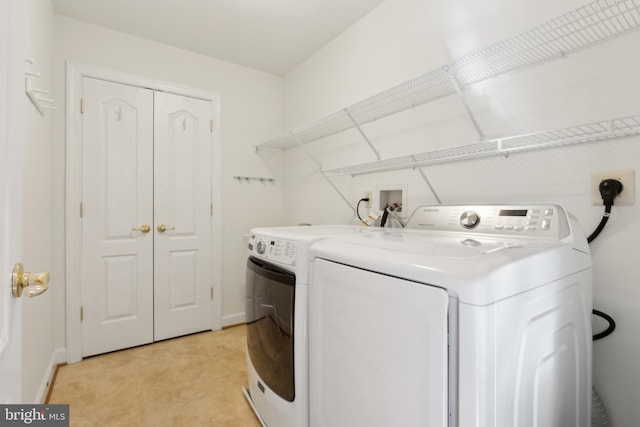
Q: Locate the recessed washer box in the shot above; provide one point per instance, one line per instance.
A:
(393, 195)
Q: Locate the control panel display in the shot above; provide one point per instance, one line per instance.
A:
(540, 221)
(278, 250)
(513, 212)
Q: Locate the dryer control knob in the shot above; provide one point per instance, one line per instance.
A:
(262, 247)
(469, 219)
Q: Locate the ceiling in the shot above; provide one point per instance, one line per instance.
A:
(268, 35)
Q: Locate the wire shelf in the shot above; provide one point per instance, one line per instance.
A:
(584, 133)
(579, 29)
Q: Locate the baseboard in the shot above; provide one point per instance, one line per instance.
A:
(58, 356)
(233, 319)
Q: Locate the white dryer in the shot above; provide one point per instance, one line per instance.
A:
(277, 320)
(476, 316)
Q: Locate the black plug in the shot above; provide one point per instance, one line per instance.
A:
(609, 190)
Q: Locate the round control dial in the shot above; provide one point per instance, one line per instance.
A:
(261, 247)
(469, 219)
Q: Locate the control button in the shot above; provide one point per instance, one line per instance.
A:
(518, 228)
(262, 247)
(548, 211)
(508, 227)
(546, 224)
(532, 222)
(530, 229)
(499, 226)
(534, 217)
(469, 219)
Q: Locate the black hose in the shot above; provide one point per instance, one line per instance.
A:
(385, 215)
(603, 222)
(610, 328)
(605, 316)
(365, 199)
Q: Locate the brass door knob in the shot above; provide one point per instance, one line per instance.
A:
(162, 228)
(36, 283)
(143, 228)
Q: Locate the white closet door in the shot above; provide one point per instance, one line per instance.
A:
(183, 255)
(117, 198)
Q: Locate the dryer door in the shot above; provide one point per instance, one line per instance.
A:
(378, 350)
(269, 316)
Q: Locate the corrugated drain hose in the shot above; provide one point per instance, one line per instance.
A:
(599, 417)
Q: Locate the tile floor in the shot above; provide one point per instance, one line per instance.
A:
(189, 381)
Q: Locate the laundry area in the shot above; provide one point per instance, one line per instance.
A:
(420, 213)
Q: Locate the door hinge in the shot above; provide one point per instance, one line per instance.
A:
(81, 210)
(81, 313)
(211, 294)
(81, 105)
(211, 125)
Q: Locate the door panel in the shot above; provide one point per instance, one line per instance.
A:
(117, 198)
(385, 336)
(182, 203)
(11, 177)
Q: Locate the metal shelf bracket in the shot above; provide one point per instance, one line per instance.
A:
(456, 87)
(357, 126)
(337, 190)
(426, 180)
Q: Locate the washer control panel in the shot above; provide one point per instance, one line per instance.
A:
(277, 250)
(547, 221)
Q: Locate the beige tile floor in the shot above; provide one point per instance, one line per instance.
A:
(189, 381)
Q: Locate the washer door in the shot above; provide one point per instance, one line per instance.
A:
(378, 350)
(269, 316)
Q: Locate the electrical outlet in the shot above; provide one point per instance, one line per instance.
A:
(369, 195)
(628, 179)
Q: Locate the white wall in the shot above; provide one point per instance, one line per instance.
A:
(402, 39)
(251, 111)
(38, 313)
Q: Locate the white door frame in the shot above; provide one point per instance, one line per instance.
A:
(75, 73)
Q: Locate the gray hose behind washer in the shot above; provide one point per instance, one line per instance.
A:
(599, 417)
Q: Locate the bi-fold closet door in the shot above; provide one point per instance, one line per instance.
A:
(146, 216)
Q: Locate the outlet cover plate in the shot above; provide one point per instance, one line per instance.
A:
(368, 195)
(628, 179)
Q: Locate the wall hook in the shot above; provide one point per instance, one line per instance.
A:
(35, 95)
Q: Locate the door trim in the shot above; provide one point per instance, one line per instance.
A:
(76, 71)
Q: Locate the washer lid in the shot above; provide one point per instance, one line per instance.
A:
(477, 269)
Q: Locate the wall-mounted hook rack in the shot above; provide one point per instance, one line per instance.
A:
(253, 178)
(37, 96)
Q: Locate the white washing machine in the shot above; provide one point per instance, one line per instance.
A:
(277, 321)
(476, 316)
